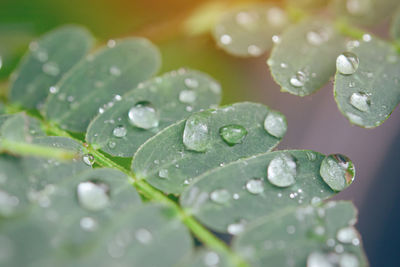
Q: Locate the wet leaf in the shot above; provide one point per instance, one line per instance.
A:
(206, 258)
(304, 59)
(21, 128)
(368, 96)
(174, 96)
(265, 198)
(248, 31)
(47, 60)
(96, 80)
(303, 236)
(170, 165)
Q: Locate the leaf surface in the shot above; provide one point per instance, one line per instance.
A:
(21, 128)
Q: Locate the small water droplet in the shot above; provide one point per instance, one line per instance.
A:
(53, 90)
(348, 260)
(143, 115)
(51, 68)
(111, 43)
(119, 131)
(315, 201)
(211, 259)
(255, 186)
(220, 196)
(367, 37)
(93, 195)
(88, 159)
(163, 173)
(226, 39)
(337, 171)
(191, 83)
(282, 170)
(143, 236)
(187, 96)
(236, 228)
(233, 134)
(8, 203)
(360, 101)
(275, 124)
(276, 39)
(318, 259)
(346, 234)
(111, 144)
(195, 135)
(254, 50)
(299, 79)
(318, 37)
(115, 71)
(88, 224)
(347, 63)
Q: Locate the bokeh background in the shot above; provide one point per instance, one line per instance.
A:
(314, 121)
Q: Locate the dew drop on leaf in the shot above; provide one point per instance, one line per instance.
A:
(163, 173)
(119, 131)
(233, 134)
(88, 159)
(8, 203)
(337, 171)
(191, 83)
(220, 196)
(115, 71)
(51, 68)
(347, 63)
(236, 228)
(317, 37)
(211, 259)
(318, 259)
(226, 39)
(196, 134)
(93, 196)
(360, 101)
(346, 235)
(187, 96)
(298, 79)
(111, 144)
(275, 124)
(282, 170)
(255, 186)
(144, 115)
(143, 236)
(88, 224)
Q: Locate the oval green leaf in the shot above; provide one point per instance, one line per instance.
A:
(304, 59)
(368, 97)
(248, 31)
(306, 236)
(167, 164)
(47, 60)
(96, 80)
(174, 96)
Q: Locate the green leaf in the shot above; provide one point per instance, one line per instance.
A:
(174, 96)
(21, 128)
(248, 31)
(368, 96)
(96, 80)
(365, 12)
(166, 155)
(2, 108)
(205, 258)
(3, 118)
(306, 236)
(48, 59)
(304, 59)
(395, 26)
(227, 190)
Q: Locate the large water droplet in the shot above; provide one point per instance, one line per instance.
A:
(360, 101)
(318, 259)
(119, 131)
(88, 159)
(346, 234)
(282, 170)
(93, 196)
(337, 171)
(144, 116)
(275, 124)
(195, 135)
(220, 196)
(347, 63)
(187, 96)
(299, 79)
(255, 186)
(233, 134)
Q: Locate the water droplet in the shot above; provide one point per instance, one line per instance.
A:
(236, 228)
(255, 186)
(318, 37)
(275, 124)
(195, 135)
(93, 196)
(8, 203)
(163, 173)
(211, 258)
(119, 131)
(367, 37)
(187, 96)
(191, 83)
(315, 201)
(276, 39)
(220, 196)
(347, 63)
(143, 236)
(346, 234)
(348, 260)
(354, 118)
(318, 259)
(115, 71)
(360, 101)
(299, 79)
(358, 7)
(143, 115)
(111, 43)
(111, 144)
(226, 39)
(276, 16)
(282, 170)
(233, 134)
(53, 90)
(51, 68)
(88, 224)
(88, 159)
(311, 156)
(337, 171)
(254, 50)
